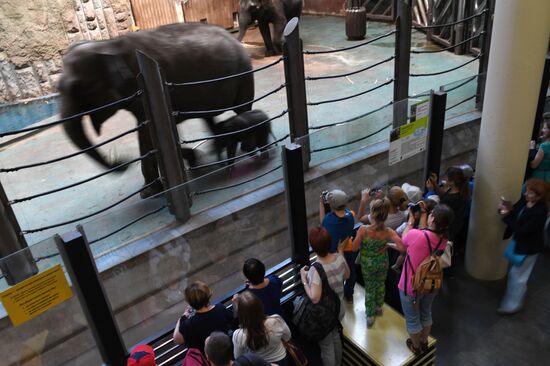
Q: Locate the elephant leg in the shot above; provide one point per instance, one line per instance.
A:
(266, 35)
(278, 29)
(149, 167)
(244, 21)
(189, 155)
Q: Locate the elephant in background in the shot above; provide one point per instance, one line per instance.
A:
(101, 72)
(276, 12)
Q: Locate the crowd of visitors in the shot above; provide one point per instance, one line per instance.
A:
(399, 230)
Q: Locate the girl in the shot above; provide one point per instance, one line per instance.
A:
(372, 239)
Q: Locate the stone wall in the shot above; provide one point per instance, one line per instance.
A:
(35, 33)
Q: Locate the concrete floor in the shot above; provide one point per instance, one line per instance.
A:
(317, 33)
(470, 333)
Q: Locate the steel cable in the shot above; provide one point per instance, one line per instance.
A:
(143, 157)
(461, 84)
(350, 73)
(462, 101)
(351, 96)
(234, 132)
(34, 165)
(352, 141)
(450, 47)
(129, 224)
(350, 119)
(453, 23)
(46, 257)
(199, 82)
(221, 110)
(82, 114)
(231, 160)
(236, 184)
(24, 232)
(351, 47)
(449, 70)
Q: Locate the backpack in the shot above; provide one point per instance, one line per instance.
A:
(428, 276)
(194, 357)
(316, 321)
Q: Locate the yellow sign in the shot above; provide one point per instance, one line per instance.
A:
(36, 295)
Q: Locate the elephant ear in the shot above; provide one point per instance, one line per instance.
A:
(118, 76)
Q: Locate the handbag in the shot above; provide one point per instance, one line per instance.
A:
(297, 357)
(510, 254)
(447, 257)
(315, 321)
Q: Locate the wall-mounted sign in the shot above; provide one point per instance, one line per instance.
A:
(36, 295)
(410, 139)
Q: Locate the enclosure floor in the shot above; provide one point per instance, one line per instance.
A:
(317, 33)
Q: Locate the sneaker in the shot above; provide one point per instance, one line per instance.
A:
(370, 321)
(379, 312)
(502, 311)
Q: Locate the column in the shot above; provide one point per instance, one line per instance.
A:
(518, 48)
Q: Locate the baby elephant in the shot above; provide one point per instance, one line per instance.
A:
(254, 136)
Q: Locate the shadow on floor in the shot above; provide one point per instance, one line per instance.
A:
(470, 332)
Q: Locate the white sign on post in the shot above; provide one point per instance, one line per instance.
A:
(410, 139)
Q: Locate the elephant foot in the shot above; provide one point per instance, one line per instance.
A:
(151, 190)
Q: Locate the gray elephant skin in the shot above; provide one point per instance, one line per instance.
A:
(254, 133)
(98, 73)
(276, 12)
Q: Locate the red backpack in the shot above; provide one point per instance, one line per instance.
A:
(194, 357)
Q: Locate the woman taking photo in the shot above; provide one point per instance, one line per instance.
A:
(419, 244)
(525, 221)
(337, 272)
(257, 333)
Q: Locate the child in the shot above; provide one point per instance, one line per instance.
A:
(372, 239)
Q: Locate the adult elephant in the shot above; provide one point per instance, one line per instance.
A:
(276, 12)
(98, 73)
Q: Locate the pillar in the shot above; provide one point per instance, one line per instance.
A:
(518, 47)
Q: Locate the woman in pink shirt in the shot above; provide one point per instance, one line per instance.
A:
(417, 309)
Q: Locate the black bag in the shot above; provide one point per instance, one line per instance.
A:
(316, 321)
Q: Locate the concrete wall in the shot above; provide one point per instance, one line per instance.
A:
(324, 7)
(35, 33)
(145, 279)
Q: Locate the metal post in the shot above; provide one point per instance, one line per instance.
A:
(459, 28)
(542, 98)
(430, 31)
(81, 268)
(164, 135)
(296, 202)
(16, 261)
(403, 24)
(436, 125)
(296, 87)
(485, 46)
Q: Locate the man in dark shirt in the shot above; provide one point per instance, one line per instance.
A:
(267, 289)
(219, 351)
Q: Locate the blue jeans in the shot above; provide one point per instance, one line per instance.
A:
(350, 258)
(419, 315)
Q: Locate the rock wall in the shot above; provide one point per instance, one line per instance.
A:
(35, 33)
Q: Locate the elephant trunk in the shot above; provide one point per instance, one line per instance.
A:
(75, 130)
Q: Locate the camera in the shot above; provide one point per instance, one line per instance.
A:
(415, 207)
(324, 194)
(373, 191)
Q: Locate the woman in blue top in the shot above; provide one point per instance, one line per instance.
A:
(541, 163)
